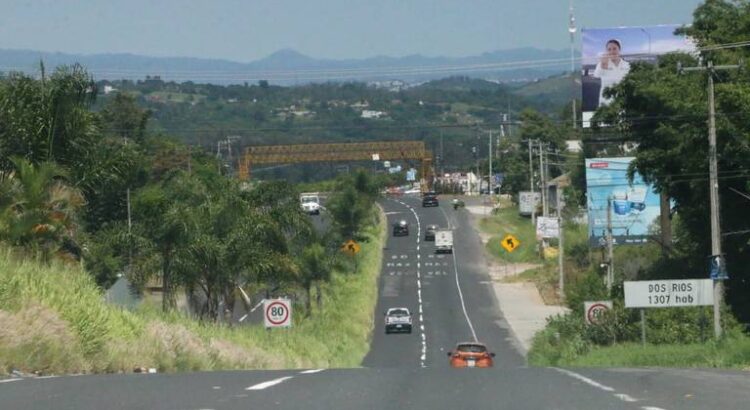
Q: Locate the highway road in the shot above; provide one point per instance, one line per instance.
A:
(452, 302)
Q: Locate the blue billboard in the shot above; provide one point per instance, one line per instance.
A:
(634, 205)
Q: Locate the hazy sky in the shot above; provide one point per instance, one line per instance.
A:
(246, 30)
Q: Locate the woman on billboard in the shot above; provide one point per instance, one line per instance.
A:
(611, 69)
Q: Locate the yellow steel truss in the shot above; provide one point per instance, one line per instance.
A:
(330, 152)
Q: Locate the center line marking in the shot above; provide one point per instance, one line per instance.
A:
(270, 383)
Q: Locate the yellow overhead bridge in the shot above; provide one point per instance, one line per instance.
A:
(338, 152)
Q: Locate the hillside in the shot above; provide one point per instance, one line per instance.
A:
(289, 67)
(553, 91)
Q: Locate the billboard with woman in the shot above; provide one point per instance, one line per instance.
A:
(609, 52)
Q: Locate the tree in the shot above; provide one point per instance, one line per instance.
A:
(665, 113)
(314, 268)
(123, 117)
(164, 213)
(38, 209)
(47, 119)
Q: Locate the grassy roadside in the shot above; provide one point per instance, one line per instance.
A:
(733, 352)
(507, 221)
(54, 321)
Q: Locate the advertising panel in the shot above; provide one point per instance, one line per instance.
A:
(608, 53)
(634, 206)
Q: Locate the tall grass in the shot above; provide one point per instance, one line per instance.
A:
(53, 320)
(507, 221)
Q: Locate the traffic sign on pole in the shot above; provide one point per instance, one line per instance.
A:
(510, 243)
(668, 293)
(351, 247)
(277, 313)
(593, 311)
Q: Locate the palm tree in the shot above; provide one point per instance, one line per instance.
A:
(38, 209)
(315, 268)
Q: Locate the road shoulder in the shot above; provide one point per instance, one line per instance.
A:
(520, 303)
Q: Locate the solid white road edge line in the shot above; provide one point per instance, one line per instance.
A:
(10, 380)
(265, 385)
(458, 285)
(651, 408)
(461, 296)
(585, 379)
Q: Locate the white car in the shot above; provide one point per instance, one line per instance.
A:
(310, 203)
(397, 320)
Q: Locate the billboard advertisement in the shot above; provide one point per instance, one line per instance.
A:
(608, 53)
(634, 206)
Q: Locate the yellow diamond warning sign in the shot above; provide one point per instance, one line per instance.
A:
(510, 243)
(351, 247)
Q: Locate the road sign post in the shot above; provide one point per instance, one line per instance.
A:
(668, 293)
(510, 243)
(277, 313)
(594, 310)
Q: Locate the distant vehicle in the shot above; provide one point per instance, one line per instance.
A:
(401, 228)
(429, 233)
(397, 320)
(429, 199)
(457, 203)
(394, 191)
(471, 354)
(310, 203)
(444, 241)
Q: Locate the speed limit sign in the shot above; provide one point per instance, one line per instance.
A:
(593, 311)
(277, 312)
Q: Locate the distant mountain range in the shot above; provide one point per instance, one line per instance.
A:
(288, 66)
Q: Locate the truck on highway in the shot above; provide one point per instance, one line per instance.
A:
(444, 241)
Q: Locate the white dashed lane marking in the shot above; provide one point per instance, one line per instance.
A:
(311, 371)
(270, 383)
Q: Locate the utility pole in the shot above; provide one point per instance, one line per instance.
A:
(714, 186)
(130, 227)
(489, 176)
(531, 182)
(572, 30)
(560, 255)
(610, 248)
(543, 180)
(442, 157)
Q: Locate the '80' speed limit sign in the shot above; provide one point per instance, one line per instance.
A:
(277, 312)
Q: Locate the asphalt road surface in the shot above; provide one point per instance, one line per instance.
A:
(451, 302)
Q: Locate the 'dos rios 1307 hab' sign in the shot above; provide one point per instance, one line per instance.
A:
(669, 293)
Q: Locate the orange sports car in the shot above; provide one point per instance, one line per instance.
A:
(470, 354)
